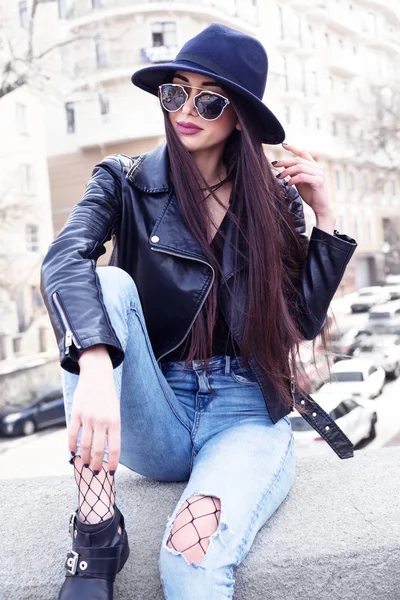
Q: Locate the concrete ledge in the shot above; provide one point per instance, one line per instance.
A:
(336, 536)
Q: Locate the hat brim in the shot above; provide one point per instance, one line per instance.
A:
(150, 78)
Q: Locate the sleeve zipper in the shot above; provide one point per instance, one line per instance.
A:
(69, 336)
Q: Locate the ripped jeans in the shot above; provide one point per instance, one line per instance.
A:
(225, 447)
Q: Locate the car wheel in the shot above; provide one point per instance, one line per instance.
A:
(372, 432)
(396, 373)
(28, 427)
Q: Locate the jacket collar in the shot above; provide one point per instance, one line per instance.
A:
(149, 172)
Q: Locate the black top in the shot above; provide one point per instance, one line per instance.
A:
(223, 342)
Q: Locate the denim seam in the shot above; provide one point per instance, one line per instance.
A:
(157, 371)
(263, 496)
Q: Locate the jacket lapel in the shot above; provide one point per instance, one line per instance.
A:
(149, 174)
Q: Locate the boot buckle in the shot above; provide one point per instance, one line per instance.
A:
(72, 562)
(71, 525)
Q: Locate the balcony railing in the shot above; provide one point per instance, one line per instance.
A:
(244, 9)
(159, 54)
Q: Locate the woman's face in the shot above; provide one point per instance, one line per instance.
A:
(211, 133)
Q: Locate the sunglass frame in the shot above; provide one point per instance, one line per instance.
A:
(203, 91)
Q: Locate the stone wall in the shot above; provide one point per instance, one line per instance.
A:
(335, 537)
(24, 378)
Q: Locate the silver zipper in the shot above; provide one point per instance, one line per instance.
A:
(69, 336)
(204, 299)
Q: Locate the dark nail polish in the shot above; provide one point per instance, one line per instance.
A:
(274, 162)
(279, 174)
(112, 473)
(285, 144)
(86, 465)
(72, 453)
(96, 472)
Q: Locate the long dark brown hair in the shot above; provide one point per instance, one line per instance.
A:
(273, 251)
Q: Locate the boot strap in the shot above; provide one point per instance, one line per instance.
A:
(94, 562)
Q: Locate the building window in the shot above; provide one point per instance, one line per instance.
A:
(32, 238)
(318, 122)
(287, 114)
(334, 128)
(21, 118)
(163, 33)
(281, 23)
(62, 9)
(303, 79)
(27, 179)
(393, 183)
(104, 102)
(285, 75)
(305, 118)
(101, 51)
(370, 229)
(70, 115)
(23, 14)
(351, 182)
(314, 78)
(356, 232)
(97, 3)
(337, 179)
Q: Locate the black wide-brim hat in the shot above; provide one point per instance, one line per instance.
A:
(236, 60)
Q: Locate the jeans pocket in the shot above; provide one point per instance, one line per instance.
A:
(243, 376)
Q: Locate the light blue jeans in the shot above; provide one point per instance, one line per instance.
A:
(172, 430)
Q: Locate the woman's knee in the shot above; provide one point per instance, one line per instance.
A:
(116, 283)
(196, 521)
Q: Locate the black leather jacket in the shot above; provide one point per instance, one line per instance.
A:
(131, 201)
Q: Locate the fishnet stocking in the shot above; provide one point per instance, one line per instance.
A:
(96, 493)
(196, 520)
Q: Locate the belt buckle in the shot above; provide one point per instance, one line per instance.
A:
(72, 561)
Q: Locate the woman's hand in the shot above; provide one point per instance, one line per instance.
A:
(96, 408)
(308, 176)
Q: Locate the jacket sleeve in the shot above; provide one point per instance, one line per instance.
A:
(69, 283)
(327, 258)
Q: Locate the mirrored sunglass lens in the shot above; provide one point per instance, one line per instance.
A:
(172, 97)
(210, 106)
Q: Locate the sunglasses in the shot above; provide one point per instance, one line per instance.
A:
(209, 105)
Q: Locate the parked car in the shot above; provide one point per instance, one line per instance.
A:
(347, 344)
(382, 350)
(356, 377)
(369, 297)
(355, 418)
(312, 371)
(46, 410)
(385, 318)
(393, 279)
(394, 290)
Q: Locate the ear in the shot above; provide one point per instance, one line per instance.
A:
(238, 126)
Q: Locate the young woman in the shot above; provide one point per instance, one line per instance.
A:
(175, 357)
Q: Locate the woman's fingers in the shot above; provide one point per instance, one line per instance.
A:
(86, 441)
(114, 445)
(73, 431)
(99, 438)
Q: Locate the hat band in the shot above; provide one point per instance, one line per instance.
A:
(209, 64)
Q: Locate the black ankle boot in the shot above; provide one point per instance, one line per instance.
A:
(98, 553)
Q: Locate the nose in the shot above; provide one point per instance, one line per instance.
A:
(189, 108)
